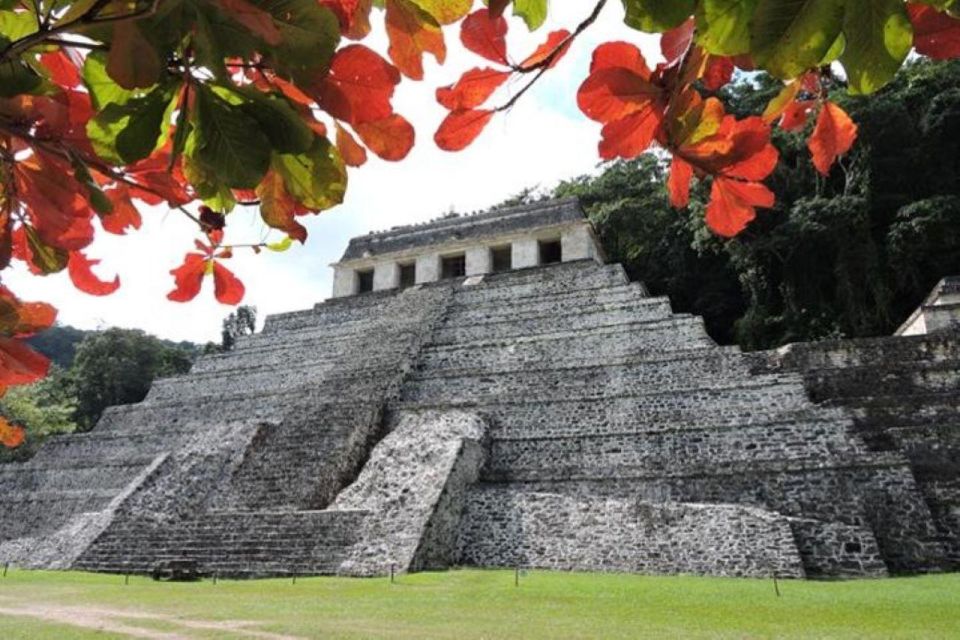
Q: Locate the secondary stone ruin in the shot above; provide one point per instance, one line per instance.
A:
(486, 391)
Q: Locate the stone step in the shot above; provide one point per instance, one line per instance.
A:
(585, 299)
(900, 379)
(881, 352)
(677, 331)
(636, 309)
(657, 450)
(613, 380)
(544, 281)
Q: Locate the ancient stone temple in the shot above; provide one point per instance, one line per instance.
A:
(487, 391)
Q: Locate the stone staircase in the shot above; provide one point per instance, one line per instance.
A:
(597, 394)
(902, 394)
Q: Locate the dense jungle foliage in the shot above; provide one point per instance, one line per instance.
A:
(849, 255)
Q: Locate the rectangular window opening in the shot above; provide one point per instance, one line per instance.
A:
(502, 258)
(408, 275)
(550, 252)
(365, 281)
(453, 266)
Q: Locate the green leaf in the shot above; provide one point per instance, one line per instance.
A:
(283, 126)
(97, 198)
(103, 90)
(879, 37)
(15, 76)
(311, 34)
(125, 133)
(46, 258)
(657, 16)
(723, 26)
(787, 37)
(205, 181)
(14, 26)
(533, 12)
(281, 246)
(229, 142)
(446, 11)
(318, 178)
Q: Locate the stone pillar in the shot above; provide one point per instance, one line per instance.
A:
(577, 244)
(344, 282)
(386, 275)
(526, 253)
(428, 268)
(478, 261)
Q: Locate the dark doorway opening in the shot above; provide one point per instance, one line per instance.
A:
(501, 258)
(365, 281)
(550, 252)
(408, 275)
(453, 266)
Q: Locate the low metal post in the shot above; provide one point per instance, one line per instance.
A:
(294, 578)
(126, 578)
(215, 575)
(516, 576)
(6, 565)
(776, 585)
(393, 571)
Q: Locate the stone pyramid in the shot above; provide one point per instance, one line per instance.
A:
(549, 415)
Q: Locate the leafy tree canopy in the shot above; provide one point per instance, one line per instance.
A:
(202, 105)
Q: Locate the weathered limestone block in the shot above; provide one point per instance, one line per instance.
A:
(478, 261)
(413, 486)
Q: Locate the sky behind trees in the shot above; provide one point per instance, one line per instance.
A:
(543, 140)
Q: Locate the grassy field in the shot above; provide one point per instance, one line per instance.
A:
(476, 604)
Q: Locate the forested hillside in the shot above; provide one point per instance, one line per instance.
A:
(850, 255)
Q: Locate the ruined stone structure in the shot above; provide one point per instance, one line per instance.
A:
(486, 391)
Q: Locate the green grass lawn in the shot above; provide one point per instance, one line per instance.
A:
(476, 604)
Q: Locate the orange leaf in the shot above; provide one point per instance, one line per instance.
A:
(733, 205)
(780, 102)
(350, 150)
(390, 138)
(681, 173)
(554, 40)
(413, 32)
(796, 114)
(20, 319)
(124, 215)
(472, 89)
(11, 436)
(461, 127)
(255, 19)
(485, 35)
(833, 136)
(278, 208)
(19, 364)
(188, 278)
(935, 33)
(612, 93)
(81, 274)
(359, 86)
(63, 70)
(227, 288)
(631, 135)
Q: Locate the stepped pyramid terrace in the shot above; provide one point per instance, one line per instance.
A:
(488, 391)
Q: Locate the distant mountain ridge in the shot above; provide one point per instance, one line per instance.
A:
(59, 343)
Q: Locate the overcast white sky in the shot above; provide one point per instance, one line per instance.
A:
(543, 140)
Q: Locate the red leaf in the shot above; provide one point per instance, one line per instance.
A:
(733, 205)
(795, 115)
(359, 86)
(460, 128)
(472, 89)
(124, 215)
(55, 204)
(80, 269)
(11, 435)
(621, 55)
(675, 43)
(278, 208)
(681, 173)
(719, 71)
(352, 153)
(413, 32)
(935, 33)
(255, 19)
(19, 364)
(132, 62)
(554, 40)
(226, 287)
(485, 35)
(188, 278)
(612, 93)
(390, 138)
(631, 135)
(63, 70)
(833, 136)
(497, 7)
